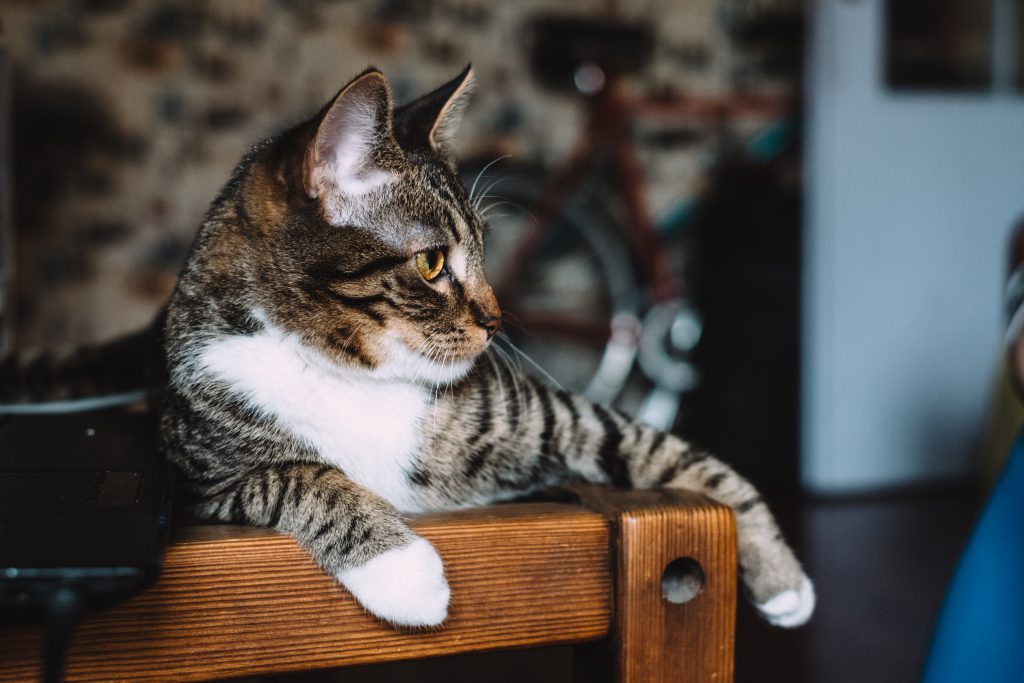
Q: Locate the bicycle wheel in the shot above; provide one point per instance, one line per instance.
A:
(569, 295)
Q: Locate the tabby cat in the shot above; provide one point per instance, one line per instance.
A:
(328, 368)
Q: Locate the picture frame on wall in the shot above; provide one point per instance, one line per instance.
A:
(939, 44)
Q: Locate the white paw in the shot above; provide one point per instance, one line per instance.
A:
(405, 586)
(790, 608)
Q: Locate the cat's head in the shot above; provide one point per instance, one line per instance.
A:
(372, 252)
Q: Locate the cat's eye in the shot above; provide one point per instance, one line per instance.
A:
(430, 263)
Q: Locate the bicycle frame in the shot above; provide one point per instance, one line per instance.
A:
(608, 133)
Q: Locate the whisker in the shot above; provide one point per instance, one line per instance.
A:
(493, 184)
(516, 321)
(481, 173)
(514, 373)
(489, 219)
(532, 362)
(486, 211)
(497, 375)
(505, 201)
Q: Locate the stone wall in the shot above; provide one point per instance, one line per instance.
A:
(129, 115)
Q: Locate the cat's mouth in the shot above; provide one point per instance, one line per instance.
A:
(428, 366)
(449, 361)
(442, 372)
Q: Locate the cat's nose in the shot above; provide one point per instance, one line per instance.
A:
(485, 311)
(491, 323)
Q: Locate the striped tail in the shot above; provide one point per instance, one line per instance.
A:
(104, 374)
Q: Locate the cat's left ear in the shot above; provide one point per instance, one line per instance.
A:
(432, 120)
(352, 140)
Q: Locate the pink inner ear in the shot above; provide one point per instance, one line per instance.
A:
(342, 153)
(346, 138)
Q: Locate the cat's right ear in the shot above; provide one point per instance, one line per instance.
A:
(345, 152)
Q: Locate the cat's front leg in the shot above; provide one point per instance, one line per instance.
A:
(558, 435)
(351, 532)
(770, 572)
(636, 455)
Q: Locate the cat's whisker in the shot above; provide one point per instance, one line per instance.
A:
(357, 328)
(449, 355)
(512, 361)
(509, 202)
(432, 387)
(515, 321)
(472, 190)
(433, 412)
(502, 199)
(522, 398)
(480, 175)
(510, 316)
(508, 322)
(515, 373)
(497, 374)
(532, 362)
(487, 190)
(486, 211)
(497, 216)
(493, 184)
(499, 362)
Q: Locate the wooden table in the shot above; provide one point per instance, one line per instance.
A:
(236, 601)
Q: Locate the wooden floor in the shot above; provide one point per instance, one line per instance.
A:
(880, 566)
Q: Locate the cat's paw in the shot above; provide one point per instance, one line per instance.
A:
(790, 608)
(405, 586)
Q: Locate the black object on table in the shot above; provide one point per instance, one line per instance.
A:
(85, 503)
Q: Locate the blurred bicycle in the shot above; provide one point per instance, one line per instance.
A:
(587, 285)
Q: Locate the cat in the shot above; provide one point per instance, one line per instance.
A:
(327, 366)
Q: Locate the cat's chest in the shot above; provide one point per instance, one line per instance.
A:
(371, 430)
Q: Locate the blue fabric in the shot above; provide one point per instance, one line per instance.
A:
(980, 635)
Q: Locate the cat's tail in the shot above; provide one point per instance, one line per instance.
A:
(116, 372)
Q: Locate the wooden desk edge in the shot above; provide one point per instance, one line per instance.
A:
(235, 601)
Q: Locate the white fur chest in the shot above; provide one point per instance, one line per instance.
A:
(368, 428)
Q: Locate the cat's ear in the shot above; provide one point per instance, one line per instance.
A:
(352, 131)
(432, 120)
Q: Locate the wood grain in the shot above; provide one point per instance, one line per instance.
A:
(236, 601)
(653, 640)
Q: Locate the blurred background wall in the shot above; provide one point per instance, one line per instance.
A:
(913, 188)
(129, 116)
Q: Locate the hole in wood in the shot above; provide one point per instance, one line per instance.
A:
(682, 580)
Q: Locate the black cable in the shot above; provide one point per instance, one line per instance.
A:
(61, 616)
